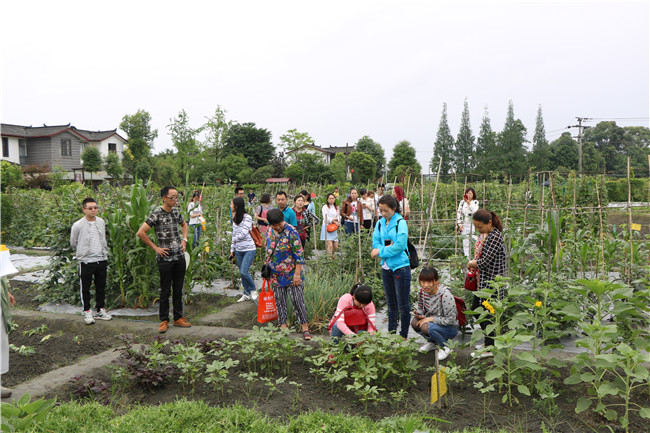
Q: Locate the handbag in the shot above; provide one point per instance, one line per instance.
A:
(470, 281)
(332, 227)
(266, 271)
(266, 308)
(257, 237)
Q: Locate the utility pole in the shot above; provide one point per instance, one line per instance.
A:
(580, 128)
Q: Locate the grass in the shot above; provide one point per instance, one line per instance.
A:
(195, 416)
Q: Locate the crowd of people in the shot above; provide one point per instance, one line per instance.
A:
(286, 230)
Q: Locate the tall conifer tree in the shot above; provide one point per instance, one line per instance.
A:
(486, 146)
(464, 155)
(511, 151)
(444, 146)
(540, 158)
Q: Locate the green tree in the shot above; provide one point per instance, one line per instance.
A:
(315, 170)
(564, 152)
(183, 138)
(540, 157)
(142, 170)
(363, 168)
(403, 154)
(140, 142)
(608, 139)
(368, 146)
(296, 173)
(261, 174)
(216, 129)
(165, 170)
(251, 142)
(294, 140)
(511, 148)
(443, 147)
(11, 175)
(486, 154)
(338, 168)
(113, 165)
(464, 159)
(92, 160)
(592, 160)
(234, 168)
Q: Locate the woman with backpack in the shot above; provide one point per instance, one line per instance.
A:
(354, 313)
(389, 242)
(261, 211)
(435, 317)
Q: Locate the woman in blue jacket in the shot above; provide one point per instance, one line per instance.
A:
(389, 242)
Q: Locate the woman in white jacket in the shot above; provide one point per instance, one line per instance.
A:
(330, 215)
(467, 207)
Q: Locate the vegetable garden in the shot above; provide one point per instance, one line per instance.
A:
(572, 344)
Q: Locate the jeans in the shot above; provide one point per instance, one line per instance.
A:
(336, 332)
(351, 227)
(436, 333)
(171, 272)
(197, 234)
(397, 287)
(244, 262)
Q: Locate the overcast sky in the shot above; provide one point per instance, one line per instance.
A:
(337, 70)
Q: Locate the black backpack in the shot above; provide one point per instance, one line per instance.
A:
(410, 250)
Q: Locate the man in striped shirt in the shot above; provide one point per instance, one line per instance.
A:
(88, 238)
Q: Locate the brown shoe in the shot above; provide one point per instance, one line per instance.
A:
(163, 326)
(182, 322)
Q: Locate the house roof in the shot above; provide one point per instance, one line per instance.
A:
(329, 150)
(277, 179)
(50, 131)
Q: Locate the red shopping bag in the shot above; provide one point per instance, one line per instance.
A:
(266, 309)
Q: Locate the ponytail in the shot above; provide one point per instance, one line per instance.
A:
(486, 216)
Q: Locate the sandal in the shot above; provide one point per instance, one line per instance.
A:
(306, 335)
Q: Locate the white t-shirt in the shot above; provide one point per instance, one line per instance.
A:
(193, 208)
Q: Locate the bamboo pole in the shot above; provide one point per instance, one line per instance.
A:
(483, 194)
(508, 205)
(526, 205)
(360, 259)
(541, 201)
(575, 218)
(629, 213)
(602, 247)
(433, 202)
(456, 224)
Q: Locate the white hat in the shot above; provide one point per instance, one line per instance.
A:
(6, 267)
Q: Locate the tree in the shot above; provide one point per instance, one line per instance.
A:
(253, 143)
(234, 168)
(540, 158)
(183, 138)
(338, 168)
(564, 152)
(510, 142)
(368, 146)
(315, 170)
(142, 170)
(403, 154)
(294, 140)
(138, 128)
(113, 165)
(92, 160)
(443, 146)
(363, 166)
(216, 129)
(464, 154)
(486, 146)
(296, 173)
(261, 174)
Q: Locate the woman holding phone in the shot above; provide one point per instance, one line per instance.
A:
(466, 209)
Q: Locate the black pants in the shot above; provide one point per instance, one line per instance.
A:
(86, 273)
(367, 224)
(171, 272)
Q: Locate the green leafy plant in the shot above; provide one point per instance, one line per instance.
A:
(23, 415)
(23, 350)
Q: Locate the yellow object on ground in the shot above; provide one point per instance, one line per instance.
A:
(434, 385)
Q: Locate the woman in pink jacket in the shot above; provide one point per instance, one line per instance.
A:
(355, 313)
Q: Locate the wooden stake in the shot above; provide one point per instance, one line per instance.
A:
(575, 218)
(527, 198)
(483, 194)
(508, 205)
(541, 201)
(629, 213)
(602, 247)
(433, 202)
(456, 222)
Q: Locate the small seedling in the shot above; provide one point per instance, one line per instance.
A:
(23, 350)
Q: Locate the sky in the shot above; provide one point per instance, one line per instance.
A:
(337, 70)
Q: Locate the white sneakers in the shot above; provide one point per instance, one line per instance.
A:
(444, 353)
(252, 297)
(103, 315)
(88, 317)
(428, 347)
